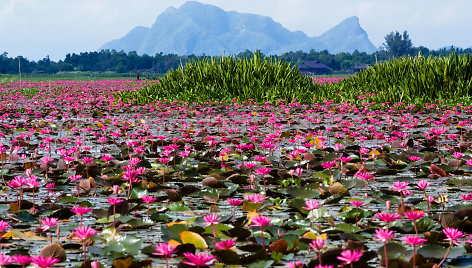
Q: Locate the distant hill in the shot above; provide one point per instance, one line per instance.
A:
(197, 28)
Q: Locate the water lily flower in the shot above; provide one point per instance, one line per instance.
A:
(350, 256)
(399, 185)
(356, 203)
(211, 219)
(261, 221)
(365, 177)
(83, 233)
(234, 201)
(114, 201)
(414, 158)
(44, 262)
(328, 164)
(255, 198)
(22, 259)
(4, 225)
(80, 211)
(294, 264)
(262, 172)
(311, 204)
(317, 244)
(165, 250)
(199, 259)
(48, 223)
(452, 235)
(225, 244)
(384, 235)
(414, 215)
(5, 260)
(414, 240)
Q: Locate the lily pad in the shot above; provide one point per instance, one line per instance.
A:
(195, 239)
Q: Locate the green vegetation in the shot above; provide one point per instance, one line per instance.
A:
(226, 78)
(123, 63)
(76, 75)
(411, 80)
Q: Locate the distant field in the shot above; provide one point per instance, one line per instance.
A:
(79, 76)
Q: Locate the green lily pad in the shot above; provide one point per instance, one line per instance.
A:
(394, 250)
(262, 264)
(228, 257)
(348, 228)
(304, 193)
(123, 246)
(68, 199)
(177, 206)
(437, 251)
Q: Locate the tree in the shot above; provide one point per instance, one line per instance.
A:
(398, 45)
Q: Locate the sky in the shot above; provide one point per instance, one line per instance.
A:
(39, 28)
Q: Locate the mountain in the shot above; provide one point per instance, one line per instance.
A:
(129, 41)
(197, 28)
(346, 36)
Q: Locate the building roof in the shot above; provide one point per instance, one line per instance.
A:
(360, 66)
(314, 64)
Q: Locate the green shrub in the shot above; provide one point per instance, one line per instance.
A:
(412, 80)
(226, 78)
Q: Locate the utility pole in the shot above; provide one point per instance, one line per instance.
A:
(19, 68)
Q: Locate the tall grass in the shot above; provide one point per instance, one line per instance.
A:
(415, 80)
(226, 78)
(411, 80)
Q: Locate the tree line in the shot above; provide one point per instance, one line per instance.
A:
(396, 45)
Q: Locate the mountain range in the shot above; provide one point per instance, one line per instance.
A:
(197, 28)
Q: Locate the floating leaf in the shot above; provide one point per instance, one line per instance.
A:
(25, 216)
(68, 199)
(425, 224)
(122, 263)
(177, 206)
(228, 257)
(250, 206)
(437, 251)
(173, 231)
(394, 250)
(123, 246)
(304, 193)
(262, 264)
(27, 236)
(220, 228)
(348, 228)
(138, 193)
(54, 250)
(195, 239)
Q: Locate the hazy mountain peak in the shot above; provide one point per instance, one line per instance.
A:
(196, 28)
(347, 36)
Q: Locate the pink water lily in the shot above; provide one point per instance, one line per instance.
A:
(414, 241)
(350, 256)
(199, 259)
(44, 262)
(5, 260)
(83, 233)
(48, 223)
(211, 220)
(225, 244)
(165, 250)
(261, 221)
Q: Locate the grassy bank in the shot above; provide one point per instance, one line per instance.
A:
(78, 76)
